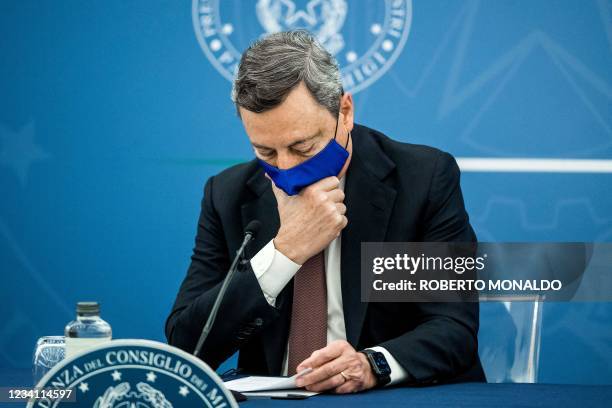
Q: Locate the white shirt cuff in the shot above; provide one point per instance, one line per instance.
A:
(273, 271)
(398, 374)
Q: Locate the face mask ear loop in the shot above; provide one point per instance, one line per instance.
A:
(336, 130)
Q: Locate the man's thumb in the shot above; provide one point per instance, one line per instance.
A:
(278, 193)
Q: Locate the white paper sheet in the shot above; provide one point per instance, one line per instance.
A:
(255, 383)
(260, 383)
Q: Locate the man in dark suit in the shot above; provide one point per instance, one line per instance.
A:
(321, 185)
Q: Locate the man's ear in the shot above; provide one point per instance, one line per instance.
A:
(347, 111)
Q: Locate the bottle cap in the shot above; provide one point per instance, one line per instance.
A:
(88, 308)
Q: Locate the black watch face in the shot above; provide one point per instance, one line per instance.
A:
(381, 364)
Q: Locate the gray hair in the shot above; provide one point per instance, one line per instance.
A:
(274, 65)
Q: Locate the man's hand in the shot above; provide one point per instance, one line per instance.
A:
(310, 220)
(328, 363)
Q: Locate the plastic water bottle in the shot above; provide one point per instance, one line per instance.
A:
(87, 330)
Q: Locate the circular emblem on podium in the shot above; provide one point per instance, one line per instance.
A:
(135, 374)
(365, 37)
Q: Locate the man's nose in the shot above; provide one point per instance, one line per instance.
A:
(286, 161)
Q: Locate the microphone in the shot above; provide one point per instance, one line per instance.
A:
(252, 228)
(249, 233)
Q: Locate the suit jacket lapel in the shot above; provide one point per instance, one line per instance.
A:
(263, 208)
(369, 201)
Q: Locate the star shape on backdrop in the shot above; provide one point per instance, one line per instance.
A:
(18, 150)
(294, 14)
(151, 377)
(183, 390)
(84, 387)
(116, 375)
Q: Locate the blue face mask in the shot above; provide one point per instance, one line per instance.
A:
(328, 162)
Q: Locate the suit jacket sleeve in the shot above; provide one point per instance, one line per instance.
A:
(444, 343)
(244, 310)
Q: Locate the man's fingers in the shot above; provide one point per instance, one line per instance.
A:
(321, 356)
(341, 208)
(331, 383)
(337, 195)
(347, 387)
(320, 376)
(326, 184)
(278, 193)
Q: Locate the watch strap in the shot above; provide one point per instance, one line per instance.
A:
(382, 378)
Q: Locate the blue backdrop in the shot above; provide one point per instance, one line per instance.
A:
(114, 113)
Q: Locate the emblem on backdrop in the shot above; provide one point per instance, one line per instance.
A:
(135, 374)
(366, 37)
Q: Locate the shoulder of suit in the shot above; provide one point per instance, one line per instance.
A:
(404, 154)
(238, 172)
(228, 185)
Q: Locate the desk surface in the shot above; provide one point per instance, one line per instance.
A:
(472, 395)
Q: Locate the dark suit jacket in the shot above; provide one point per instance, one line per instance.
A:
(394, 192)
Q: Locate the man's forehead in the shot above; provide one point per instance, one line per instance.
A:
(279, 130)
(298, 105)
(282, 119)
(284, 136)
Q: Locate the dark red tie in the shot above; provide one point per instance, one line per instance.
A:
(308, 331)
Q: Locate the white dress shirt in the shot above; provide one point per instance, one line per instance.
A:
(274, 270)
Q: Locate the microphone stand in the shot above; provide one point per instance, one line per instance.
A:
(215, 309)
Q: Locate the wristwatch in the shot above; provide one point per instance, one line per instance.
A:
(379, 365)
